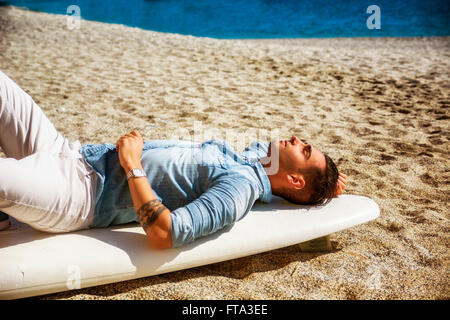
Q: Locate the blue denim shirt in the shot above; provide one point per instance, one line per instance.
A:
(206, 186)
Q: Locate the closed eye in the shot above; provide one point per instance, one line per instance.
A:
(307, 151)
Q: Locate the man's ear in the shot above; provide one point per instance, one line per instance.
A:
(297, 181)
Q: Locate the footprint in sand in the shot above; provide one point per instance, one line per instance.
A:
(427, 179)
(386, 157)
(414, 216)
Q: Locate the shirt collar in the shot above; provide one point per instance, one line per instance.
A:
(267, 189)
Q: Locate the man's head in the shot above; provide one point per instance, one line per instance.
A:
(305, 175)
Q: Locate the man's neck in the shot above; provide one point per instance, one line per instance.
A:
(265, 162)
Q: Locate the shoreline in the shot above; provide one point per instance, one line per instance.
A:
(377, 106)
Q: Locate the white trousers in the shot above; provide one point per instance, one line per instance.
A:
(44, 181)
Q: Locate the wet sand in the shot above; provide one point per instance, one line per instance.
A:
(378, 106)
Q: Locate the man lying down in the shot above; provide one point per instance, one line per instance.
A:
(177, 190)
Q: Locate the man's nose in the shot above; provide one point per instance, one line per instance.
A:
(295, 140)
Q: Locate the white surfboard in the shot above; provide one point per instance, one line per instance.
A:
(35, 263)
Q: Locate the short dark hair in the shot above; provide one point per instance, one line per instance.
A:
(320, 185)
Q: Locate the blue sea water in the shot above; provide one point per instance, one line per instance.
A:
(263, 18)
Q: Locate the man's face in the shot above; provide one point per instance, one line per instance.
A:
(295, 155)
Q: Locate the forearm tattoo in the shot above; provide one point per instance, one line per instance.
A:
(149, 212)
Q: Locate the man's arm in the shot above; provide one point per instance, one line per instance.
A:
(152, 214)
(226, 201)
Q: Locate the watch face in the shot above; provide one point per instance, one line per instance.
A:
(138, 173)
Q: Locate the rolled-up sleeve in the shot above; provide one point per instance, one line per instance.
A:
(215, 209)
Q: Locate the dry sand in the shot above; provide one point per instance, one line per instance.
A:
(378, 106)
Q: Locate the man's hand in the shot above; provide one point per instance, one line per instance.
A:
(129, 148)
(340, 184)
(152, 214)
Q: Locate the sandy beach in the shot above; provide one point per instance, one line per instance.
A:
(378, 106)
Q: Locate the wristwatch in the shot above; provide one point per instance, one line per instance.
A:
(136, 173)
